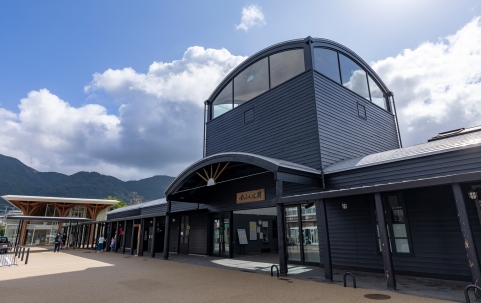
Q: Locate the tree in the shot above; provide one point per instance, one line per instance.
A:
(118, 205)
(135, 198)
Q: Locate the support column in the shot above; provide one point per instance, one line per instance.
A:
(17, 236)
(76, 235)
(322, 226)
(69, 230)
(386, 251)
(167, 230)
(91, 235)
(23, 232)
(132, 238)
(154, 231)
(124, 235)
(82, 237)
(111, 224)
(469, 244)
(141, 238)
(116, 236)
(99, 232)
(281, 231)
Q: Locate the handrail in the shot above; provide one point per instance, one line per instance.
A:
(353, 279)
(272, 269)
(477, 292)
(7, 257)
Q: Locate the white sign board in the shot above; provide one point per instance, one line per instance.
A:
(242, 236)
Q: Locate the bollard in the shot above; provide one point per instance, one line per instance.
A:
(277, 269)
(23, 253)
(26, 259)
(353, 279)
(477, 292)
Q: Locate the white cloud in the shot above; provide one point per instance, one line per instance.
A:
(251, 16)
(437, 86)
(157, 129)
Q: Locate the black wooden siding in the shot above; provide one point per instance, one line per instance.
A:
(198, 232)
(456, 162)
(174, 234)
(284, 126)
(437, 242)
(343, 134)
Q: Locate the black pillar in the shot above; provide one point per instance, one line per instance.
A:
(386, 248)
(469, 244)
(281, 231)
(141, 238)
(323, 227)
(69, 230)
(99, 232)
(109, 239)
(124, 235)
(76, 236)
(18, 232)
(167, 230)
(82, 239)
(132, 238)
(116, 236)
(154, 231)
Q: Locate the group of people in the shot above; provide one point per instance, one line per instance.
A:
(101, 241)
(60, 242)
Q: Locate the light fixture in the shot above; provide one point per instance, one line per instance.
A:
(473, 195)
(210, 182)
(344, 205)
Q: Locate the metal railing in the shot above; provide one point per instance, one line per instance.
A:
(8, 257)
(353, 279)
(477, 293)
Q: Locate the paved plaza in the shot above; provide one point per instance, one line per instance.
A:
(85, 276)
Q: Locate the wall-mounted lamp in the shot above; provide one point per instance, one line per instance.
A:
(473, 195)
(344, 205)
(173, 219)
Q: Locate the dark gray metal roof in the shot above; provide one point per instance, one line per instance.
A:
(137, 206)
(270, 164)
(49, 219)
(379, 188)
(459, 142)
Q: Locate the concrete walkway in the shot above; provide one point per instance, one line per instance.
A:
(85, 276)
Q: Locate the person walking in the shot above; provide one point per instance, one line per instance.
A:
(112, 244)
(58, 242)
(100, 245)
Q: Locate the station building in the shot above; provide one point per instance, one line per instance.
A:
(303, 159)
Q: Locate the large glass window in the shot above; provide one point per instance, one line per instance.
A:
(292, 234)
(309, 233)
(377, 97)
(223, 101)
(259, 78)
(353, 76)
(326, 62)
(398, 231)
(286, 65)
(78, 211)
(251, 82)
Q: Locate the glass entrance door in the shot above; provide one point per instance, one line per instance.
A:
(221, 235)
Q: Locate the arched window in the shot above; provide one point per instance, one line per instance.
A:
(258, 78)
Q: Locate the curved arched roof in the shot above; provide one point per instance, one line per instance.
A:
(296, 43)
(269, 164)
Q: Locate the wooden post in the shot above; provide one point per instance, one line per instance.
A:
(132, 238)
(167, 230)
(124, 235)
(281, 231)
(154, 231)
(322, 226)
(469, 243)
(116, 244)
(386, 248)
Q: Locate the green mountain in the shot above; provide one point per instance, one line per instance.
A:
(18, 179)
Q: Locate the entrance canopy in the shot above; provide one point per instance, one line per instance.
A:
(226, 167)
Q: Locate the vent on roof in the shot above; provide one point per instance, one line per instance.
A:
(449, 133)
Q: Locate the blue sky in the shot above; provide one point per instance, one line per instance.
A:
(112, 67)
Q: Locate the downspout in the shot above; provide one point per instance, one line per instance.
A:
(391, 94)
(205, 117)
